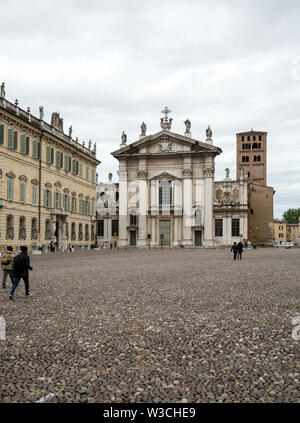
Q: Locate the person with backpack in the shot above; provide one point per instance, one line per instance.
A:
(234, 248)
(240, 250)
(20, 271)
(7, 265)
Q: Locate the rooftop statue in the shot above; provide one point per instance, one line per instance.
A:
(166, 122)
(95, 147)
(41, 112)
(227, 173)
(90, 144)
(208, 133)
(110, 175)
(143, 129)
(70, 131)
(2, 90)
(187, 126)
(124, 138)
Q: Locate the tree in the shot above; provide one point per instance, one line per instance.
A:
(291, 215)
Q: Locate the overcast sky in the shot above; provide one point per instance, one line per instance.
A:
(106, 66)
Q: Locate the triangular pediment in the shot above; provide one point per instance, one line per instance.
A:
(164, 176)
(165, 142)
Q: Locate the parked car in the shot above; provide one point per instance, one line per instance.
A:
(285, 244)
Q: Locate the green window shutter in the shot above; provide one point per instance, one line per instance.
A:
(61, 160)
(80, 170)
(16, 140)
(23, 144)
(10, 138)
(89, 208)
(34, 149)
(27, 145)
(45, 198)
(10, 189)
(93, 208)
(48, 154)
(1, 134)
(87, 173)
(69, 202)
(57, 159)
(39, 150)
(22, 193)
(34, 195)
(64, 201)
(60, 201)
(75, 205)
(50, 199)
(66, 162)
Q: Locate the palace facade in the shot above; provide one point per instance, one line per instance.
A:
(167, 194)
(47, 182)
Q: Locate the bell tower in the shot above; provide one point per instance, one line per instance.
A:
(251, 156)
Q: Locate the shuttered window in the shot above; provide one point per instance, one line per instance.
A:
(36, 149)
(16, 135)
(34, 195)
(10, 138)
(75, 166)
(93, 175)
(87, 173)
(50, 155)
(59, 160)
(22, 193)
(93, 208)
(80, 170)
(2, 134)
(23, 144)
(10, 190)
(68, 163)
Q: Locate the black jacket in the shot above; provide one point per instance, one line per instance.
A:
(21, 268)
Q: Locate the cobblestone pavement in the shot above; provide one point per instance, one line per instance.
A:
(154, 326)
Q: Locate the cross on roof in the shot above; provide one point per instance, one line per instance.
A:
(165, 112)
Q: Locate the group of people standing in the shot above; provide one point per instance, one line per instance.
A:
(237, 250)
(16, 267)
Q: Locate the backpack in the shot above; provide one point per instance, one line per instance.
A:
(6, 259)
(20, 263)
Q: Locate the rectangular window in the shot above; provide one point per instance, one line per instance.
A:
(133, 219)
(219, 227)
(59, 160)
(64, 202)
(10, 190)
(2, 134)
(100, 227)
(56, 200)
(235, 227)
(87, 173)
(10, 138)
(50, 155)
(281, 228)
(80, 170)
(27, 145)
(36, 149)
(165, 193)
(93, 208)
(73, 205)
(23, 144)
(75, 167)
(93, 175)
(68, 163)
(115, 228)
(16, 135)
(34, 195)
(280, 235)
(47, 198)
(22, 193)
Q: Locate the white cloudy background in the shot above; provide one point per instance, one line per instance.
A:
(106, 66)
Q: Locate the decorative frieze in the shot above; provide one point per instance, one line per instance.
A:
(142, 174)
(187, 173)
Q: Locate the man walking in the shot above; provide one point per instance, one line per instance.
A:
(240, 250)
(20, 271)
(234, 248)
(7, 263)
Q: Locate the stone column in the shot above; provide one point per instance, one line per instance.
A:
(228, 229)
(187, 206)
(143, 204)
(153, 231)
(123, 205)
(208, 201)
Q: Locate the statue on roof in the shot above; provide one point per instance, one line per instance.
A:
(208, 133)
(187, 126)
(90, 144)
(124, 138)
(110, 175)
(227, 170)
(166, 122)
(95, 147)
(41, 112)
(70, 131)
(143, 129)
(2, 90)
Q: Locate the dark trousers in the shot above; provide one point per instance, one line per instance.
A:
(5, 274)
(16, 283)
(240, 255)
(234, 255)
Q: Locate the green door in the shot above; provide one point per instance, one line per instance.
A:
(198, 238)
(165, 230)
(132, 238)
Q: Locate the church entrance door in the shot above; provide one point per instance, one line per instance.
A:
(133, 238)
(165, 230)
(198, 238)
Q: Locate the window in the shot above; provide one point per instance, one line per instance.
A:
(73, 234)
(22, 192)
(254, 138)
(80, 170)
(248, 174)
(280, 235)
(34, 195)
(48, 229)
(259, 138)
(248, 138)
(258, 158)
(87, 233)
(247, 159)
(34, 228)
(68, 163)
(235, 227)
(10, 138)
(243, 138)
(255, 158)
(100, 227)
(36, 149)
(59, 160)
(87, 173)
(50, 155)
(198, 217)
(22, 228)
(25, 145)
(74, 205)
(10, 227)
(165, 193)
(244, 146)
(133, 217)
(10, 189)
(2, 134)
(47, 198)
(93, 208)
(80, 233)
(75, 166)
(281, 228)
(93, 175)
(243, 159)
(252, 211)
(16, 136)
(57, 200)
(259, 146)
(115, 227)
(254, 146)
(219, 227)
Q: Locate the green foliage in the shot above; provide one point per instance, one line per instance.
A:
(291, 215)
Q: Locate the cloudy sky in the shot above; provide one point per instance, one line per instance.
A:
(108, 65)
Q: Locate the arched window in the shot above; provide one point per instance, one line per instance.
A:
(133, 214)
(198, 217)
(80, 233)
(258, 158)
(243, 159)
(259, 146)
(34, 228)
(73, 234)
(255, 158)
(10, 227)
(22, 228)
(254, 146)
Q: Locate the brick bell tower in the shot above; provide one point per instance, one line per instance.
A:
(251, 155)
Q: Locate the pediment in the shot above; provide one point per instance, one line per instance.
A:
(165, 142)
(164, 176)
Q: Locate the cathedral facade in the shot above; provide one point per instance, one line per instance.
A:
(167, 195)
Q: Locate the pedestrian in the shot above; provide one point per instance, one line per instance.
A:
(20, 271)
(52, 246)
(240, 250)
(234, 248)
(7, 263)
